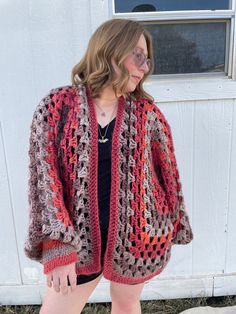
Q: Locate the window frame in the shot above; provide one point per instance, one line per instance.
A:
(194, 16)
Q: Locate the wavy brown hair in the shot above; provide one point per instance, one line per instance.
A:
(115, 39)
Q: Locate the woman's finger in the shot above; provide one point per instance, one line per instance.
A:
(56, 282)
(72, 276)
(49, 280)
(63, 284)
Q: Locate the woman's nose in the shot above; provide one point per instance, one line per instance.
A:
(144, 67)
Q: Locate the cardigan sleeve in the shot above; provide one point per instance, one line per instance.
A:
(51, 238)
(166, 169)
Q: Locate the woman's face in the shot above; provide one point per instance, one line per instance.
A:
(136, 72)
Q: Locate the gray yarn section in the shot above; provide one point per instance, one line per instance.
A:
(57, 252)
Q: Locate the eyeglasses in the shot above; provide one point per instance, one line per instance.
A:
(139, 59)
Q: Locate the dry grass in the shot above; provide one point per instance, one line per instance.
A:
(174, 306)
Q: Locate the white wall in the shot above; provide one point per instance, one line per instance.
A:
(40, 43)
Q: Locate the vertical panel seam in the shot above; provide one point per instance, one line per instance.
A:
(228, 184)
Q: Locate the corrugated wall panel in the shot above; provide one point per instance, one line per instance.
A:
(212, 133)
(230, 254)
(9, 260)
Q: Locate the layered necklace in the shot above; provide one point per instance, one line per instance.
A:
(103, 138)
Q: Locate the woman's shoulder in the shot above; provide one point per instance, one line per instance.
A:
(154, 110)
(58, 93)
(60, 96)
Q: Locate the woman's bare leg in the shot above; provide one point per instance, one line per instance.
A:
(71, 303)
(125, 298)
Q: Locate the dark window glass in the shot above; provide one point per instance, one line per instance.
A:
(124, 6)
(188, 47)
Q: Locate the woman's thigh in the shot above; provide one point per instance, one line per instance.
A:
(122, 293)
(71, 303)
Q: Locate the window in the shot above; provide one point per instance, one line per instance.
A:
(188, 36)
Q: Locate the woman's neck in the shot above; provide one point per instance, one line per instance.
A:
(107, 98)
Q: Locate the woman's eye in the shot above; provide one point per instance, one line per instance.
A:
(139, 56)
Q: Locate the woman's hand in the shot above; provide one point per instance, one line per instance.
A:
(58, 277)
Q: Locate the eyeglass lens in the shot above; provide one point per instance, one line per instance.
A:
(140, 59)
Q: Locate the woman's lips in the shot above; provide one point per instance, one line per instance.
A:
(137, 78)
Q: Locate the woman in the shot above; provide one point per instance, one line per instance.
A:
(104, 190)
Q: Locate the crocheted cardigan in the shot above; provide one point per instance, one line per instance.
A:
(147, 210)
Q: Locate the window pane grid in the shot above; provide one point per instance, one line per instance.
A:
(188, 47)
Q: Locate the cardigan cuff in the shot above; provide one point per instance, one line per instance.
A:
(57, 253)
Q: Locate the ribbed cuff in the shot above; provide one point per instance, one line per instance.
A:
(57, 253)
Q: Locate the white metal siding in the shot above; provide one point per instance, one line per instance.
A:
(40, 43)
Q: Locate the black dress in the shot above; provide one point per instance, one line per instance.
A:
(104, 188)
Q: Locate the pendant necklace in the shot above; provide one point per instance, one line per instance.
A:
(104, 139)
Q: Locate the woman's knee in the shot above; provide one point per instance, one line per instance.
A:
(125, 294)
